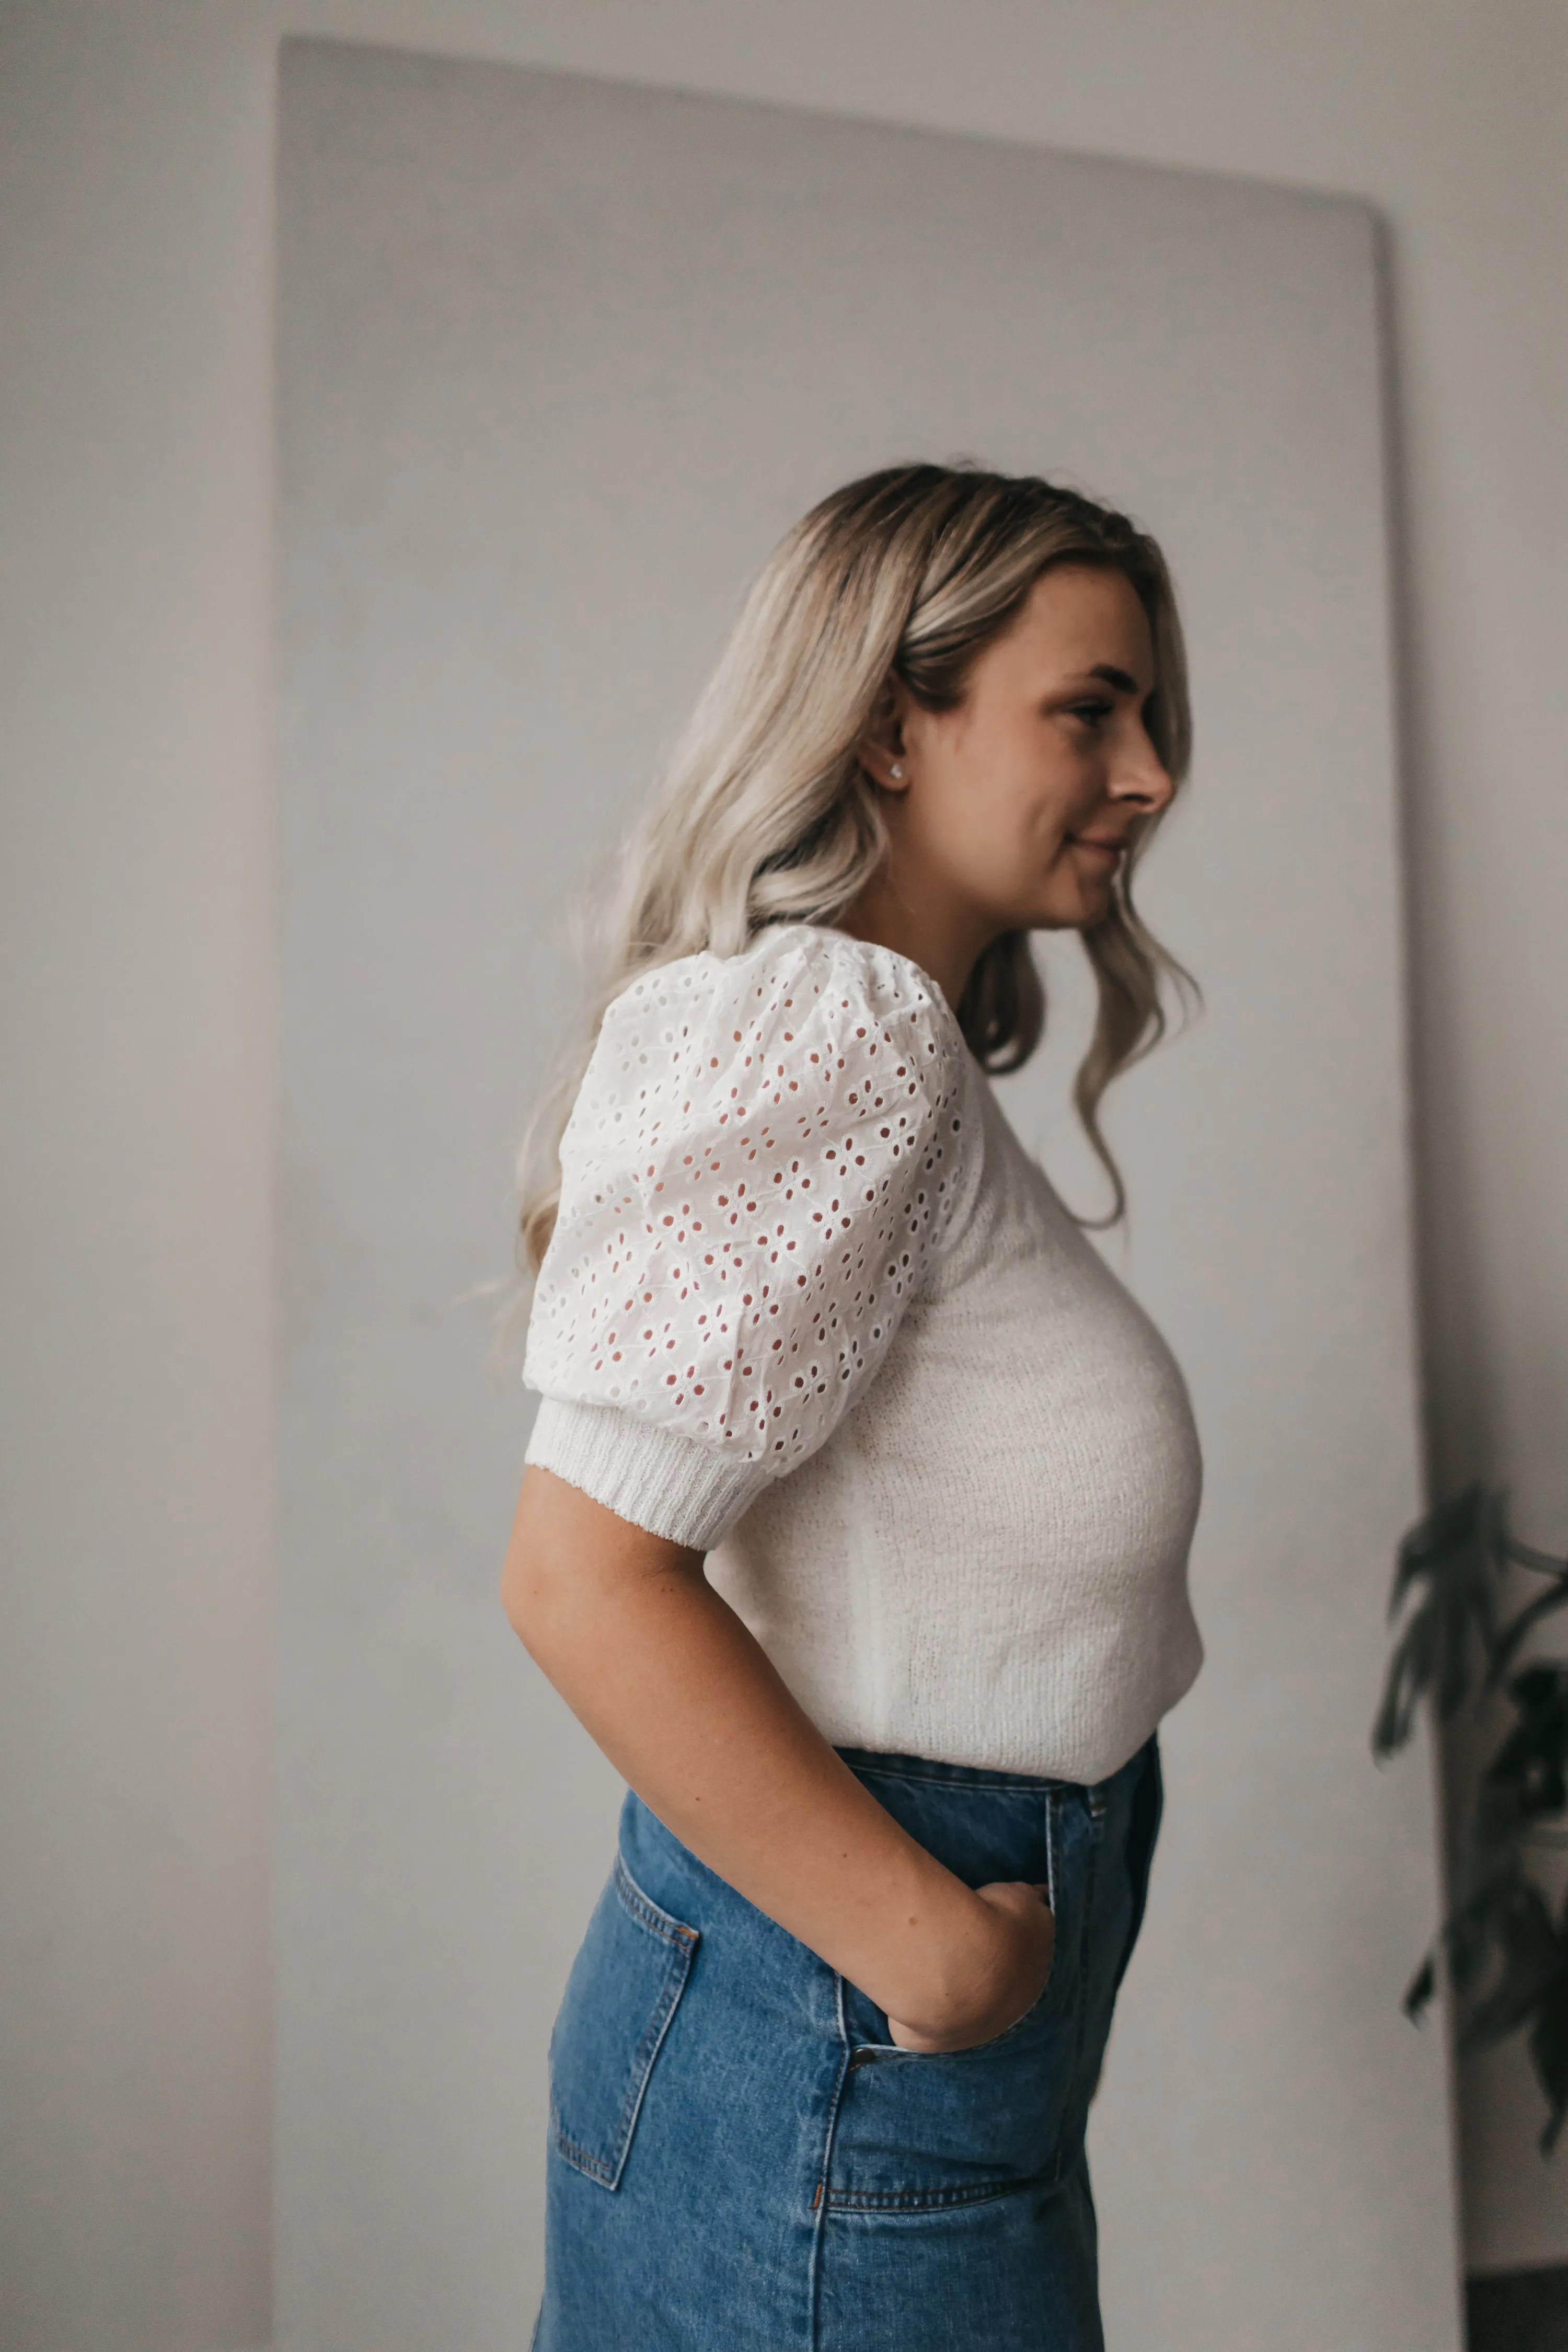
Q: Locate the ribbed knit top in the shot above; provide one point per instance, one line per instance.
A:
(811, 1308)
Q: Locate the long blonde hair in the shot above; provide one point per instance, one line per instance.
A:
(764, 813)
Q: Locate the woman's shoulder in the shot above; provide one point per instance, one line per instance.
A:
(761, 1159)
(794, 989)
(808, 1032)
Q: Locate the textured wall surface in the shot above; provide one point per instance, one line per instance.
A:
(138, 934)
(559, 361)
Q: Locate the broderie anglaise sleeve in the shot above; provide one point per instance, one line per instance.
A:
(757, 1164)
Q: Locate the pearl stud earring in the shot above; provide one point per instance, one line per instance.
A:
(897, 772)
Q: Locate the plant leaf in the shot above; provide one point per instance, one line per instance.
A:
(1514, 1634)
(1549, 2056)
(1543, 1562)
(1526, 1780)
(1476, 1925)
(1534, 1966)
(1453, 1526)
(1420, 1989)
(1447, 1560)
(1410, 1673)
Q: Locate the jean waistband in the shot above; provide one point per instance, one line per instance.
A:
(892, 1767)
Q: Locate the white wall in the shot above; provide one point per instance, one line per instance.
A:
(493, 436)
(135, 195)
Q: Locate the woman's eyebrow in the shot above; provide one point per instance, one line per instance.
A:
(1114, 677)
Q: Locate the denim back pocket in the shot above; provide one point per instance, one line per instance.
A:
(619, 1999)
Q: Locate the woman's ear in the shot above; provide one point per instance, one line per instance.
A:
(880, 749)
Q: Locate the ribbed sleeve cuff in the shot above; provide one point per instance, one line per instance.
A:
(675, 1487)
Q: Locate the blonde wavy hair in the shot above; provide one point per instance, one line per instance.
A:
(765, 815)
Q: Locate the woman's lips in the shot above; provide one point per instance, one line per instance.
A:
(1109, 849)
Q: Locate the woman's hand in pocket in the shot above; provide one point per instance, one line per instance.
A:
(998, 1977)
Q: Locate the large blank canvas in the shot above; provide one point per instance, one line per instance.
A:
(558, 361)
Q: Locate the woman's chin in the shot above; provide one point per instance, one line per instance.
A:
(1087, 908)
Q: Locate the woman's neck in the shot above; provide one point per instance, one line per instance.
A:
(945, 940)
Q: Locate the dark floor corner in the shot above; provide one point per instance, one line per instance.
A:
(1519, 2311)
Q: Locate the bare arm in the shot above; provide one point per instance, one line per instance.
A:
(689, 1710)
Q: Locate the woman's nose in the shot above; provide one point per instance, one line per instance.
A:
(1141, 777)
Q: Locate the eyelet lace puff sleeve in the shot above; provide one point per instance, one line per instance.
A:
(758, 1164)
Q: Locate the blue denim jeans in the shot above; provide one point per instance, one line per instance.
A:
(740, 2159)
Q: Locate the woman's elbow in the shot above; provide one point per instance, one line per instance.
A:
(527, 1581)
(528, 1595)
(514, 1596)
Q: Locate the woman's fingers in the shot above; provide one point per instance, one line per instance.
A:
(1030, 1945)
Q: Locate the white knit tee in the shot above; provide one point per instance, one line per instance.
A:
(811, 1308)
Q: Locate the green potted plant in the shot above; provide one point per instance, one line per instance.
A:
(1505, 1939)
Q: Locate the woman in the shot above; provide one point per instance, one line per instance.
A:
(857, 1508)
